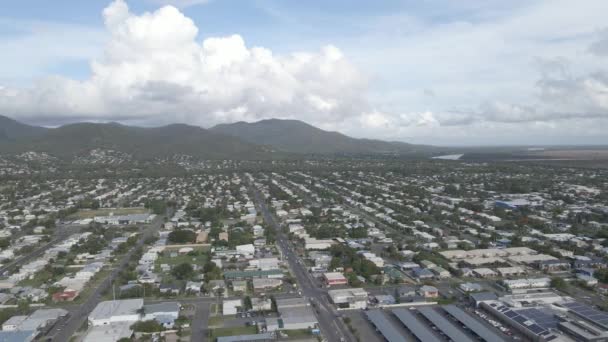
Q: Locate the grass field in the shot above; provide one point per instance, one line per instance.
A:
(179, 259)
(233, 331)
(90, 213)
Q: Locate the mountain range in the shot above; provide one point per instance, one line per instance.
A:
(264, 139)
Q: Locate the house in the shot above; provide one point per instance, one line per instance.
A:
(261, 304)
(216, 285)
(265, 284)
(193, 286)
(248, 249)
(406, 291)
(148, 278)
(428, 291)
(64, 296)
(202, 237)
(602, 288)
(470, 287)
(223, 236)
(334, 278)
(239, 285)
(229, 307)
(314, 244)
(164, 313)
(265, 264)
(440, 272)
(171, 289)
(422, 273)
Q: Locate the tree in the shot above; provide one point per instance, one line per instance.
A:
(558, 283)
(273, 304)
(183, 271)
(247, 303)
(147, 326)
(182, 236)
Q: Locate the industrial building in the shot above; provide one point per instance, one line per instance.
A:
(294, 313)
(112, 311)
(355, 298)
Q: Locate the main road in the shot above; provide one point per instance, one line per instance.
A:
(65, 328)
(331, 325)
(61, 232)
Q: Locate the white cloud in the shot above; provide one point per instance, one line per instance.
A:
(180, 3)
(498, 72)
(154, 71)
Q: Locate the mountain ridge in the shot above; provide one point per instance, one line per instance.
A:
(264, 139)
(296, 136)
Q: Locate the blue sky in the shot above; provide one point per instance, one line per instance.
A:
(433, 71)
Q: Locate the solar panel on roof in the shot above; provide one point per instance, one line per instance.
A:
(510, 314)
(519, 319)
(536, 329)
(542, 318)
(586, 312)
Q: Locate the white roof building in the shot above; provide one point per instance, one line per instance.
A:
(229, 307)
(112, 311)
(109, 332)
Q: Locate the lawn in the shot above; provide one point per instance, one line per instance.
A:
(90, 213)
(233, 331)
(179, 259)
(298, 334)
(216, 321)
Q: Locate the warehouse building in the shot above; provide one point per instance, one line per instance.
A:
(349, 298)
(126, 310)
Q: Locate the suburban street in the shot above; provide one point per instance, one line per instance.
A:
(65, 328)
(200, 322)
(331, 325)
(61, 233)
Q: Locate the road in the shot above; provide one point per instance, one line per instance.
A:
(200, 322)
(60, 235)
(331, 325)
(64, 329)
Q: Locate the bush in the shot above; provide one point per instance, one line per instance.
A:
(182, 236)
(147, 326)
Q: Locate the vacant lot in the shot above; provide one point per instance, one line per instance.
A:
(166, 258)
(89, 213)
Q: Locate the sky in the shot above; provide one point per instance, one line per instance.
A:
(441, 72)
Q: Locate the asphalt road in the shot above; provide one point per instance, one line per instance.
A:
(200, 322)
(64, 329)
(61, 234)
(331, 325)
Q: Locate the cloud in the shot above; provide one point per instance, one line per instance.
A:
(154, 71)
(180, 3)
(600, 46)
